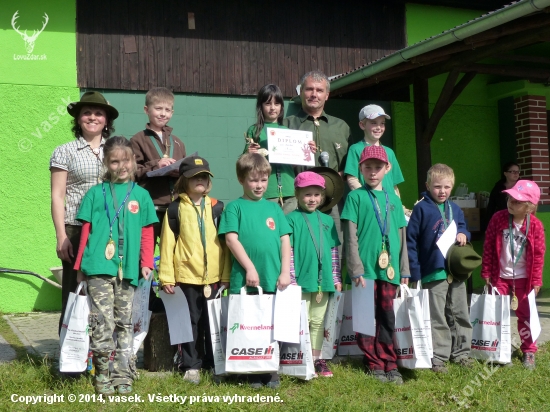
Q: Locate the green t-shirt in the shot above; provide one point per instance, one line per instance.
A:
(305, 253)
(286, 171)
(138, 211)
(393, 178)
(331, 136)
(439, 274)
(359, 209)
(259, 225)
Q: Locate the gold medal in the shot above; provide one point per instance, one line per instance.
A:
(390, 273)
(207, 290)
(514, 304)
(449, 278)
(110, 249)
(319, 297)
(383, 259)
(165, 156)
(316, 122)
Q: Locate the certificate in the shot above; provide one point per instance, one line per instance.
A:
(290, 147)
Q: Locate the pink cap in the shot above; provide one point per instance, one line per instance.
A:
(374, 152)
(306, 179)
(525, 191)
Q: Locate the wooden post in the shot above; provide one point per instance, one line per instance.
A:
(421, 118)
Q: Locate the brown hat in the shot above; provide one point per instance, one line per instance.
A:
(334, 186)
(92, 99)
(193, 165)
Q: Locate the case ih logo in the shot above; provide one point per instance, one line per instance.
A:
(251, 353)
(29, 40)
(485, 345)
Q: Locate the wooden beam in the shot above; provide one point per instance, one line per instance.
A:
(511, 71)
(421, 117)
(521, 58)
(448, 95)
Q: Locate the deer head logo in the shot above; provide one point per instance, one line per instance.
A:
(29, 40)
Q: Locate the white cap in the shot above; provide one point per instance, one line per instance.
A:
(372, 111)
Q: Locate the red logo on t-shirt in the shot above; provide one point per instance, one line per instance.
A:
(272, 132)
(133, 206)
(270, 223)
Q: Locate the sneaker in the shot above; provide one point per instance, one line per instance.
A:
(465, 362)
(255, 381)
(377, 374)
(439, 368)
(394, 377)
(322, 369)
(124, 389)
(193, 376)
(529, 360)
(273, 381)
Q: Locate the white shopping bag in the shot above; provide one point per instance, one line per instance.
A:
(347, 341)
(297, 358)
(251, 347)
(74, 338)
(409, 339)
(141, 315)
(424, 296)
(217, 317)
(333, 324)
(490, 319)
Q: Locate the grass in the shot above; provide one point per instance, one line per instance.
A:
(480, 388)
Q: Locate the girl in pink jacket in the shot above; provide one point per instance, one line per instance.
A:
(513, 257)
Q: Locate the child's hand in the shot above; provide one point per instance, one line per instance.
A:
(253, 148)
(283, 281)
(537, 289)
(487, 281)
(169, 289)
(404, 281)
(225, 285)
(145, 272)
(360, 280)
(80, 277)
(461, 239)
(252, 278)
(165, 161)
(312, 146)
(338, 287)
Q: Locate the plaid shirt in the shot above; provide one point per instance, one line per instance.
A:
(84, 170)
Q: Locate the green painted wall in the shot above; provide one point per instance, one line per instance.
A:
(34, 121)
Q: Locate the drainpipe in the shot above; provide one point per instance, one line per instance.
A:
(481, 24)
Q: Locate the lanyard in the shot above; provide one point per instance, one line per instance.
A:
(161, 155)
(318, 248)
(120, 221)
(511, 234)
(448, 207)
(202, 230)
(279, 184)
(383, 228)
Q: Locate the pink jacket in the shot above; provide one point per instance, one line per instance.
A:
(534, 249)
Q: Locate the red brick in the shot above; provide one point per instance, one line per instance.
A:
(523, 129)
(538, 109)
(539, 98)
(525, 116)
(535, 121)
(535, 133)
(543, 128)
(542, 103)
(522, 104)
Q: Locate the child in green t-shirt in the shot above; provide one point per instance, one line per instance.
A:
(314, 262)
(116, 245)
(270, 110)
(372, 120)
(377, 249)
(256, 232)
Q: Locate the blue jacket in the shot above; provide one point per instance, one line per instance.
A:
(424, 229)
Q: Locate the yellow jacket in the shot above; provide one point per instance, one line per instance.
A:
(183, 260)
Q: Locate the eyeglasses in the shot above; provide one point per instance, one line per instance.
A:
(514, 172)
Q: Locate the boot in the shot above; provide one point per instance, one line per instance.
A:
(103, 383)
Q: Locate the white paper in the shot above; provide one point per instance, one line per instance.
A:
(290, 147)
(447, 239)
(177, 314)
(169, 169)
(286, 318)
(362, 308)
(141, 315)
(534, 322)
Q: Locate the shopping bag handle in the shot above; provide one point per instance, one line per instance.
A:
(220, 291)
(82, 285)
(260, 290)
(493, 290)
(403, 291)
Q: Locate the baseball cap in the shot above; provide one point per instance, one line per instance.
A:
(525, 191)
(306, 179)
(372, 111)
(193, 165)
(374, 152)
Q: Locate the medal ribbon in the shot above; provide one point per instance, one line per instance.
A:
(120, 221)
(448, 207)
(384, 229)
(202, 230)
(161, 155)
(511, 234)
(318, 248)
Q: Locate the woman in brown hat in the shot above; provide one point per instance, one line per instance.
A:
(75, 167)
